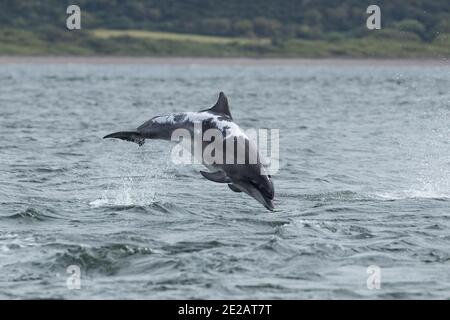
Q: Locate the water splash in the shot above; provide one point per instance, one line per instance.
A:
(129, 193)
(430, 148)
(410, 194)
(137, 190)
(429, 185)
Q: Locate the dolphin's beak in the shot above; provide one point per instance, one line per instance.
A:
(265, 202)
(269, 204)
(253, 192)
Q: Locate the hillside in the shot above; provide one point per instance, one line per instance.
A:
(264, 28)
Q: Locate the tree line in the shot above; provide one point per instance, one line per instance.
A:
(278, 19)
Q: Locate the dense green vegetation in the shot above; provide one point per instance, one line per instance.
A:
(291, 28)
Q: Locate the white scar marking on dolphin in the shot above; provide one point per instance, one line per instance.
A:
(227, 127)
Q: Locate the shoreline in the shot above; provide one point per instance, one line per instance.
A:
(4, 60)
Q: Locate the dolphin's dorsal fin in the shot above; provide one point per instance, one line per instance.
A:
(221, 106)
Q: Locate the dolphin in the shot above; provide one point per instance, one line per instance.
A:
(246, 176)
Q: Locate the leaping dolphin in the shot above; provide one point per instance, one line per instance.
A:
(249, 177)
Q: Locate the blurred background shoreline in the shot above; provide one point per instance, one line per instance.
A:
(220, 61)
(226, 29)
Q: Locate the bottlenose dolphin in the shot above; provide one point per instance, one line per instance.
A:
(249, 177)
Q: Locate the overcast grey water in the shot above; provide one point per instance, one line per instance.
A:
(364, 180)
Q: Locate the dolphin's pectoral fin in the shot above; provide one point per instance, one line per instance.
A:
(218, 176)
(234, 188)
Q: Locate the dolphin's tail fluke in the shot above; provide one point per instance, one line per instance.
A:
(132, 136)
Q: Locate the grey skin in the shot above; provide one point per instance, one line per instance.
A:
(250, 177)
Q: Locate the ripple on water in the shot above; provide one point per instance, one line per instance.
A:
(13, 241)
(32, 214)
(107, 259)
(440, 195)
(189, 246)
(153, 207)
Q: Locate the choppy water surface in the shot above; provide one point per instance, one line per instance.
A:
(364, 180)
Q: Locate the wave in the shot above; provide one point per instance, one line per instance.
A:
(105, 259)
(190, 246)
(30, 214)
(157, 206)
(11, 241)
